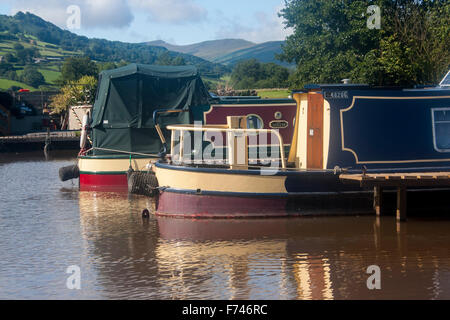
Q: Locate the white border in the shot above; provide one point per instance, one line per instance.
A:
(434, 129)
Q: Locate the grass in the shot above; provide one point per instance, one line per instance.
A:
(7, 44)
(6, 84)
(50, 70)
(45, 52)
(273, 94)
(49, 75)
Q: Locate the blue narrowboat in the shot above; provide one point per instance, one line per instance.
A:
(340, 128)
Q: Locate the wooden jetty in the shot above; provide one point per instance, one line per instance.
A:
(58, 139)
(400, 181)
(42, 137)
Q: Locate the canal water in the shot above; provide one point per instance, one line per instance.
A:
(48, 228)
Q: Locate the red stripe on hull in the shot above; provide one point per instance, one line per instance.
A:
(104, 182)
(210, 206)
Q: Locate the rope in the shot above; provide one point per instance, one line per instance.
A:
(76, 116)
(81, 125)
(126, 152)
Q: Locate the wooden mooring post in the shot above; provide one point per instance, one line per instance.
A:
(378, 199)
(401, 203)
(400, 181)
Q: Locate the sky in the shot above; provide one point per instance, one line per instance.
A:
(175, 21)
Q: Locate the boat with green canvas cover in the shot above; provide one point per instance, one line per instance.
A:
(135, 104)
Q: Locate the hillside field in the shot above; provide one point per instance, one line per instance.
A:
(50, 67)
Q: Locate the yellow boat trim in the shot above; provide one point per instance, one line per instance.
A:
(220, 182)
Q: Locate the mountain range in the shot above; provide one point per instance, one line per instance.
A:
(228, 51)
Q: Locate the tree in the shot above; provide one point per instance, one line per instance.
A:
(331, 41)
(5, 67)
(26, 55)
(77, 93)
(75, 68)
(165, 59)
(251, 74)
(416, 47)
(7, 71)
(178, 61)
(18, 46)
(32, 77)
(106, 66)
(9, 57)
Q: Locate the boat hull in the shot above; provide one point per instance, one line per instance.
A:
(108, 174)
(222, 193)
(181, 204)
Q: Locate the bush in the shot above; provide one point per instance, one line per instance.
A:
(251, 74)
(32, 77)
(76, 67)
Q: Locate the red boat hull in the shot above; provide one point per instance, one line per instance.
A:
(104, 182)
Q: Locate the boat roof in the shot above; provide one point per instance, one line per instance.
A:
(168, 72)
(444, 84)
(128, 96)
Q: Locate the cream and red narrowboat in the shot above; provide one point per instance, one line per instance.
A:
(135, 103)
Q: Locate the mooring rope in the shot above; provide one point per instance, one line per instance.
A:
(126, 152)
(81, 125)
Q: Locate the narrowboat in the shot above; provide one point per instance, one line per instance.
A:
(135, 104)
(341, 128)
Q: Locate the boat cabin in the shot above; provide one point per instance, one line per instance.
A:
(344, 127)
(352, 126)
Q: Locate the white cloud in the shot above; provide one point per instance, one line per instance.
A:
(94, 13)
(267, 28)
(144, 19)
(171, 11)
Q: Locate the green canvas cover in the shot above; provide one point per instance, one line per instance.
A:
(122, 117)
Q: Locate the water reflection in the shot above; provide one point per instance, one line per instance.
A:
(47, 225)
(120, 244)
(306, 258)
(37, 156)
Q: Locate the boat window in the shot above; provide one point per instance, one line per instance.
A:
(254, 122)
(441, 129)
(446, 81)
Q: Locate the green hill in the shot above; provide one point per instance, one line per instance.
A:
(55, 44)
(208, 50)
(229, 51)
(264, 52)
(48, 62)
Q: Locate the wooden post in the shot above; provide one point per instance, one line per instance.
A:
(378, 200)
(401, 204)
(237, 145)
(172, 145)
(181, 146)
